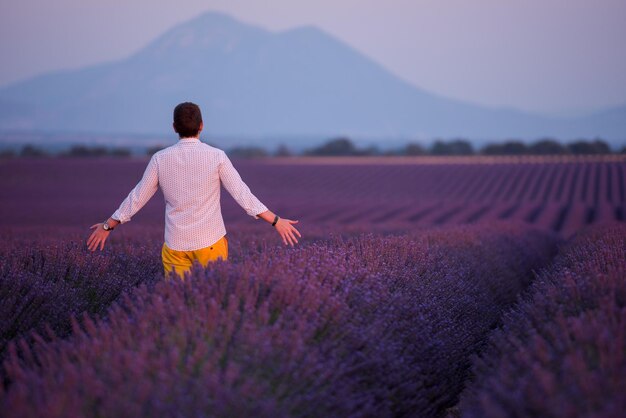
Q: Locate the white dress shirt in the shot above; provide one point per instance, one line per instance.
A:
(189, 174)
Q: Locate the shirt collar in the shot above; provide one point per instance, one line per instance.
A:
(188, 140)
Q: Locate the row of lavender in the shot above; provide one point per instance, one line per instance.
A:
(363, 326)
(560, 196)
(562, 351)
(42, 286)
(47, 275)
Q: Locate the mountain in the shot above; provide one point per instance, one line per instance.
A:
(255, 83)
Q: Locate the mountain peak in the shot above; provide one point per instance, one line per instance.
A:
(215, 19)
(209, 31)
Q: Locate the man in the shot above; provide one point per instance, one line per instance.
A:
(190, 174)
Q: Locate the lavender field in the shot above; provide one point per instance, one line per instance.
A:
(421, 288)
(559, 194)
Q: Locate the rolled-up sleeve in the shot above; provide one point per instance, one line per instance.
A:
(141, 194)
(233, 183)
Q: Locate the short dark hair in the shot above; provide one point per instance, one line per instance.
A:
(187, 119)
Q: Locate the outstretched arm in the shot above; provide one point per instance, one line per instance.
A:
(136, 199)
(243, 196)
(233, 183)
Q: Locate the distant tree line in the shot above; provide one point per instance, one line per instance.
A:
(549, 146)
(546, 146)
(99, 151)
(343, 146)
(33, 151)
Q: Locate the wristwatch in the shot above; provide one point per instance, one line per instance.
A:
(106, 227)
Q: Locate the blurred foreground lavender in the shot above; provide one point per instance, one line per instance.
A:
(48, 275)
(562, 351)
(365, 326)
(42, 286)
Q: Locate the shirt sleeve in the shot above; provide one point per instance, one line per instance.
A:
(233, 183)
(140, 195)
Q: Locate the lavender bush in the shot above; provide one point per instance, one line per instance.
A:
(48, 275)
(43, 286)
(560, 352)
(366, 326)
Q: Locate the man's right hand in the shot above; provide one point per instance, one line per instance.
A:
(287, 231)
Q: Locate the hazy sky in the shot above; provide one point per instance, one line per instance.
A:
(539, 55)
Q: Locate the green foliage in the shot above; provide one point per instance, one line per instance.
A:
(414, 148)
(247, 152)
(95, 151)
(455, 147)
(335, 147)
(548, 146)
(32, 151)
(512, 147)
(597, 146)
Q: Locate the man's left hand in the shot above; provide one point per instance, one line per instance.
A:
(98, 237)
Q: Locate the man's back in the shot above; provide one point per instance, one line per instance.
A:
(190, 174)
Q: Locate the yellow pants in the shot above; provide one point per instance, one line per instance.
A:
(181, 261)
